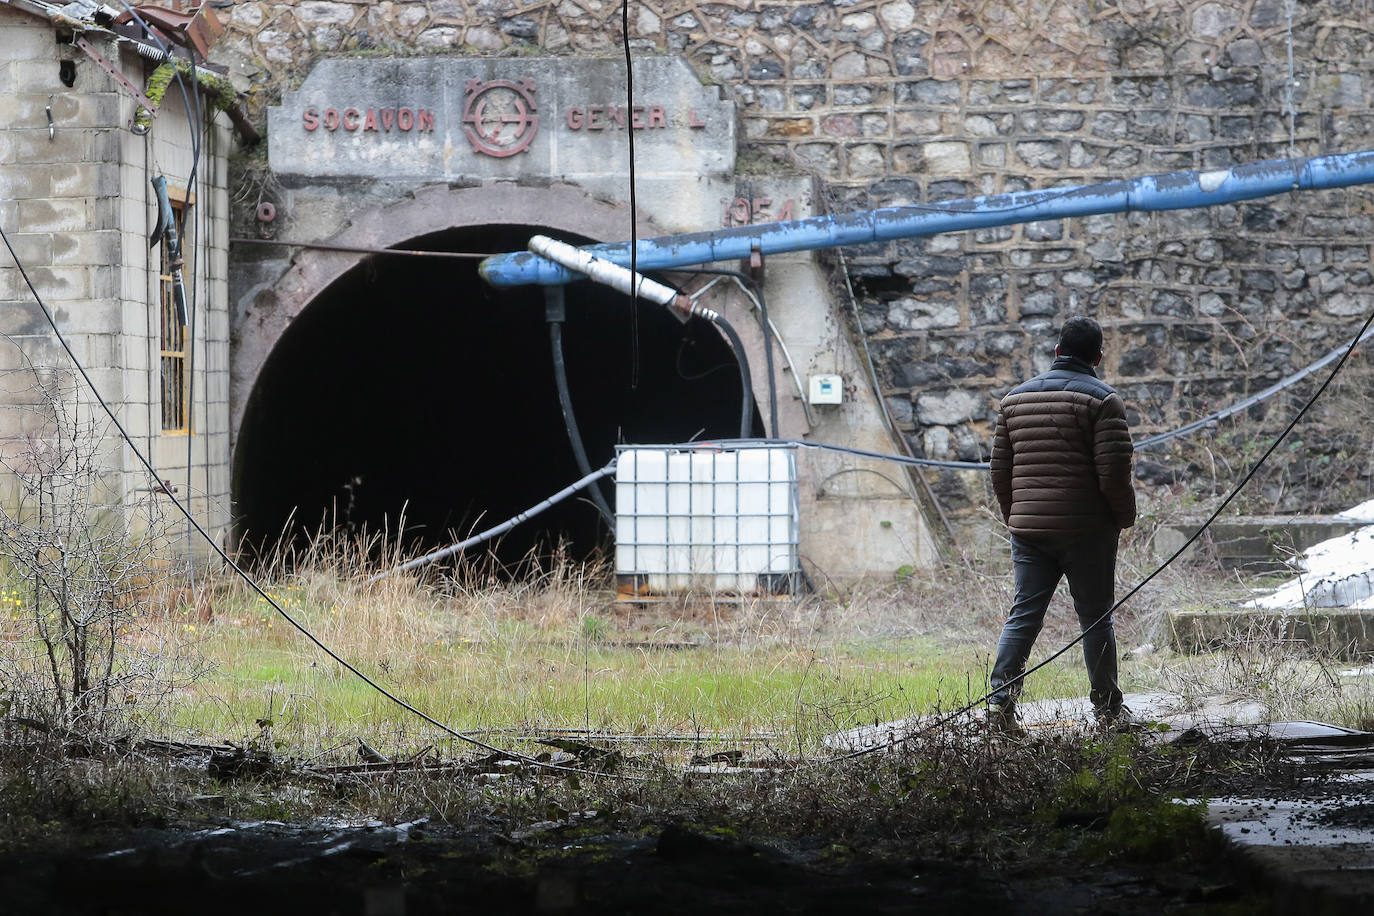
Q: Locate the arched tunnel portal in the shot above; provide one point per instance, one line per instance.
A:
(408, 396)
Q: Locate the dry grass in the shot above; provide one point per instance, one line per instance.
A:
(555, 651)
(510, 659)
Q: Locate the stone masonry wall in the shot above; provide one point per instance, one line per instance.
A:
(903, 102)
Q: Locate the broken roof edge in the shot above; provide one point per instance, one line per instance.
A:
(132, 35)
(156, 48)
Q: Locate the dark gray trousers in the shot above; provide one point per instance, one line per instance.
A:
(1089, 563)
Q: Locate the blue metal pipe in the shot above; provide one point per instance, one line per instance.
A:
(1172, 191)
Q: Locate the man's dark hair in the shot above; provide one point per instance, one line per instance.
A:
(1081, 337)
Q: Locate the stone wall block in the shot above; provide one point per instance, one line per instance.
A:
(795, 127)
(918, 123)
(1349, 304)
(839, 125)
(26, 182)
(31, 248)
(83, 179)
(1039, 304)
(822, 157)
(1068, 91)
(1039, 154)
(1049, 230)
(915, 315)
(947, 157)
(804, 98)
(950, 407)
(865, 161)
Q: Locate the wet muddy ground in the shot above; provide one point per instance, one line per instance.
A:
(380, 870)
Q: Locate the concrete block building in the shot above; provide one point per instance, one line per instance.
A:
(78, 206)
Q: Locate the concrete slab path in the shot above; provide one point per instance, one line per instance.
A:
(1313, 844)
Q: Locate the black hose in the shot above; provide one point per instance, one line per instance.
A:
(746, 413)
(757, 290)
(560, 374)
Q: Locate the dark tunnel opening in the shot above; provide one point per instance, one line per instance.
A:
(411, 389)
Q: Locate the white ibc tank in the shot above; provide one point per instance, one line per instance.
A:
(720, 519)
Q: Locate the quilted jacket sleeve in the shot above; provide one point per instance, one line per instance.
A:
(1112, 451)
(1001, 466)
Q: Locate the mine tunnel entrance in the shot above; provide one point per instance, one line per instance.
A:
(411, 390)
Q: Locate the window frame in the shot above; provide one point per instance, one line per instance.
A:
(173, 352)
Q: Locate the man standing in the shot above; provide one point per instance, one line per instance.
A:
(1061, 469)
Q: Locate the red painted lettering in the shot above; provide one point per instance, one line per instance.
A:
(637, 117)
(405, 119)
(693, 120)
(575, 118)
(370, 122)
(593, 117)
(617, 114)
(657, 116)
(737, 214)
(331, 119)
(425, 121)
(310, 118)
(350, 119)
(388, 118)
(788, 211)
(759, 210)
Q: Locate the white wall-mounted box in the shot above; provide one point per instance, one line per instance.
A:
(827, 389)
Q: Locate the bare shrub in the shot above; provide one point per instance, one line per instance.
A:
(1289, 677)
(82, 567)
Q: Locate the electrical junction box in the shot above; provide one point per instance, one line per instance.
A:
(827, 389)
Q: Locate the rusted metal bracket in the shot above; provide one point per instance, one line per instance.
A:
(753, 265)
(119, 77)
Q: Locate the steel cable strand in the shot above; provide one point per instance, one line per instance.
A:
(579, 448)
(1249, 475)
(252, 584)
(634, 204)
(753, 289)
(746, 408)
(1257, 397)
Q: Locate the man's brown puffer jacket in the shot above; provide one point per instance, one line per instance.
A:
(1061, 457)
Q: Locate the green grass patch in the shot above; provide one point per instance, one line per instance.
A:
(481, 669)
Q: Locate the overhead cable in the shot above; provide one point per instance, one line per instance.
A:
(1257, 397)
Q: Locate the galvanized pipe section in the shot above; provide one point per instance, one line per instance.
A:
(600, 270)
(1172, 191)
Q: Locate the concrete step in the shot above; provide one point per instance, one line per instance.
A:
(1251, 543)
(1345, 633)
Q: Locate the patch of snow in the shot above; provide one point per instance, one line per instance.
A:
(1364, 512)
(1337, 573)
